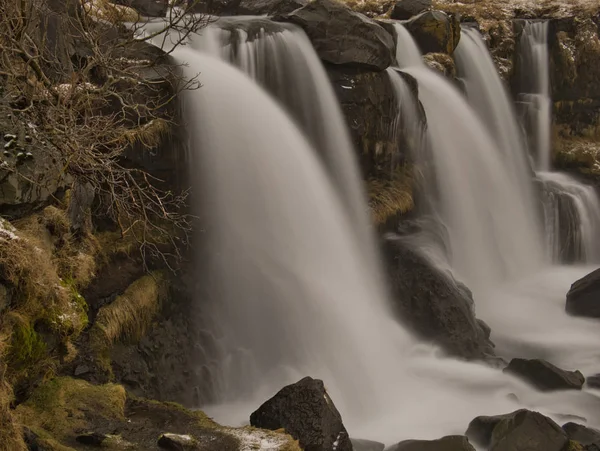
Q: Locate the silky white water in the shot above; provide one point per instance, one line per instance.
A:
(295, 293)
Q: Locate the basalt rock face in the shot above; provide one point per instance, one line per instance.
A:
(307, 413)
(433, 304)
(343, 37)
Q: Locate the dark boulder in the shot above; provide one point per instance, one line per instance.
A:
(528, 431)
(366, 445)
(149, 8)
(584, 435)
(583, 299)
(405, 9)
(593, 381)
(247, 7)
(449, 443)
(522, 430)
(342, 36)
(435, 32)
(91, 439)
(307, 413)
(432, 303)
(545, 376)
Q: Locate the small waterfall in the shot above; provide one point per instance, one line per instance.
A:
(535, 90)
(493, 232)
(570, 207)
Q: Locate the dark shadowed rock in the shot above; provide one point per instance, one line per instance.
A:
(405, 9)
(583, 299)
(593, 381)
(435, 32)
(248, 7)
(480, 429)
(432, 303)
(584, 435)
(545, 376)
(307, 413)
(342, 36)
(449, 443)
(527, 431)
(366, 445)
(91, 439)
(149, 8)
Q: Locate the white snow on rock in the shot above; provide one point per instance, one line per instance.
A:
(252, 439)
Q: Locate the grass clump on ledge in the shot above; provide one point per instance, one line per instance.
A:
(393, 196)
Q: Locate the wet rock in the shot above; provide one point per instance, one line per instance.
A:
(248, 7)
(366, 445)
(527, 431)
(593, 381)
(432, 303)
(435, 32)
(176, 442)
(583, 299)
(405, 9)
(307, 413)
(449, 443)
(344, 37)
(584, 435)
(522, 430)
(149, 8)
(91, 439)
(545, 376)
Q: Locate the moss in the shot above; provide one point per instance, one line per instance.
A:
(574, 446)
(63, 406)
(27, 348)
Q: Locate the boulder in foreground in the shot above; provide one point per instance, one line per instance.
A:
(307, 413)
(522, 430)
(582, 434)
(545, 376)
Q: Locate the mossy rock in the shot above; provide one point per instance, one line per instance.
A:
(435, 32)
(64, 408)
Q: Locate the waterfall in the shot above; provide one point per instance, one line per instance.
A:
(493, 233)
(571, 215)
(535, 90)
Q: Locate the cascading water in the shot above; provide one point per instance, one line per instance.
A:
(492, 232)
(292, 289)
(571, 215)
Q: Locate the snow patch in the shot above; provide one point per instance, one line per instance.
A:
(257, 439)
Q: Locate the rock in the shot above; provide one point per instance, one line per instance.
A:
(176, 442)
(91, 439)
(80, 370)
(527, 431)
(584, 435)
(248, 7)
(449, 443)
(583, 299)
(307, 413)
(593, 381)
(432, 303)
(149, 8)
(405, 9)
(480, 429)
(344, 37)
(435, 32)
(80, 202)
(366, 445)
(545, 376)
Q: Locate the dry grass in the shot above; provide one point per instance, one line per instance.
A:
(388, 198)
(129, 316)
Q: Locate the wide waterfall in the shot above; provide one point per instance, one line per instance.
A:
(294, 280)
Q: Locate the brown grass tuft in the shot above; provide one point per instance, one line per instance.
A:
(391, 197)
